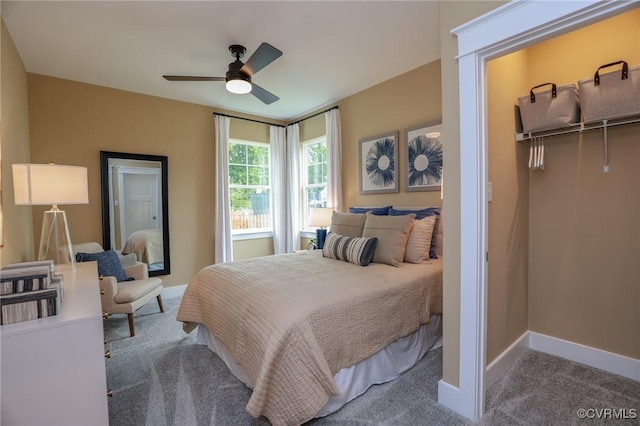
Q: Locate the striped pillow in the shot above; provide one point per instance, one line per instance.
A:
(358, 251)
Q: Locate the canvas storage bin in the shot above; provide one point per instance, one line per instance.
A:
(612, 94)
(549, 109)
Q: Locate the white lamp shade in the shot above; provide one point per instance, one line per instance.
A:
(320, 217)
(238, 86)
(42, 184)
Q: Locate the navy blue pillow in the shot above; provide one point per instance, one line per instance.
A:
(421, 214)
(378, 211)
(108, 263)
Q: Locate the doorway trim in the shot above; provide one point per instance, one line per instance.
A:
(503, 30)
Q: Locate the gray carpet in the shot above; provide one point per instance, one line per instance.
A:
(161, 377)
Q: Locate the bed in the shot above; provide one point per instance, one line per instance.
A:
(309, 331)
(291, 322)
(147, 245)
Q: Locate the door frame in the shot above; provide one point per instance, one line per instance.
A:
(508, 28)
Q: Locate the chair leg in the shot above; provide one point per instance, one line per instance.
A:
(131, 330)
(160, 303)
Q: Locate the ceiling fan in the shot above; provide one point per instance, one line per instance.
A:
(238, 78)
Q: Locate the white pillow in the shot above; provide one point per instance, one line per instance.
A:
(419, 241)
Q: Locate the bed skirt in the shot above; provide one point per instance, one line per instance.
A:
(384, 366)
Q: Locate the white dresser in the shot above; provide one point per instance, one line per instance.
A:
(52, 370)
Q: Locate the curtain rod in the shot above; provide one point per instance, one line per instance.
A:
(248, 119)
(278, 125)
(316, 114)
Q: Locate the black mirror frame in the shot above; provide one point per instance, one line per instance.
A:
(104, 184)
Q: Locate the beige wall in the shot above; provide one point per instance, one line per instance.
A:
(508, 211)
(453, 14)
(312, 128)
(545, 275)
(388, 106)
(72, 122)
(584, 225)
(14, 139)
(410, 99)
(391, 105)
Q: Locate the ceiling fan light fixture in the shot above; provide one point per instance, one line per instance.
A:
(238, 78)
(239, 86)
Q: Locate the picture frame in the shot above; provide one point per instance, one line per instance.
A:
(379, 164)
(422, 157)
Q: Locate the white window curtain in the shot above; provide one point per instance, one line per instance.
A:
(278, 143)
(223, 241)
(293, 193)
(334, 159)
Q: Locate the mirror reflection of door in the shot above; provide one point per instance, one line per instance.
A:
(142, 200)
(136, 209)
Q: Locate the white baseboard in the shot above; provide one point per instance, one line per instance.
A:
(593, 357)
(451, 397)
(174, 291)
(505, 360)
(608, 361)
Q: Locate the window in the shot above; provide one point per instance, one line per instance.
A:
(249, 190)
(314, 176)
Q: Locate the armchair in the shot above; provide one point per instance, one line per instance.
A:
(125, 296)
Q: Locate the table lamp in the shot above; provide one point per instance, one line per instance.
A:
(43, 184)
(321, 218)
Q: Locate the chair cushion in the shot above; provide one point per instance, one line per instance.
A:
(130, 291)
(108, 263)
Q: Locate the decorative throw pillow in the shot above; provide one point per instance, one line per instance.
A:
(358, 251)
(392, 233)
(347, 224)
(419, 241)
(421, 214)
(108, 263)
(379, 211)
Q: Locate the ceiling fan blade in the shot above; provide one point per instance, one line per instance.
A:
(263, 95)
(191, 78)
(263, 56)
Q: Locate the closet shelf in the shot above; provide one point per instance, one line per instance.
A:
(581, 127)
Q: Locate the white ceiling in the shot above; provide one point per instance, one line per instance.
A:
(330, 49)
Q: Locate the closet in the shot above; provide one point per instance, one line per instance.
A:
(564, 241)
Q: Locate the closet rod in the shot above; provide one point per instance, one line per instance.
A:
(580, 127)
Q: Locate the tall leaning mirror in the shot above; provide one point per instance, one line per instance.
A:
(135, 217)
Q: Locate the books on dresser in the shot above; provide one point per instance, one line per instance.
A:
(29, 290)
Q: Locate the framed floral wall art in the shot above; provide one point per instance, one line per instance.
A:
(379, 164)
(423, 157)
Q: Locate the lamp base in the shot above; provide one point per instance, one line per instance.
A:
(55, 243)
(321, 235)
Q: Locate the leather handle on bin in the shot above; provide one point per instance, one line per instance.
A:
(625, 71)
(554, 91)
